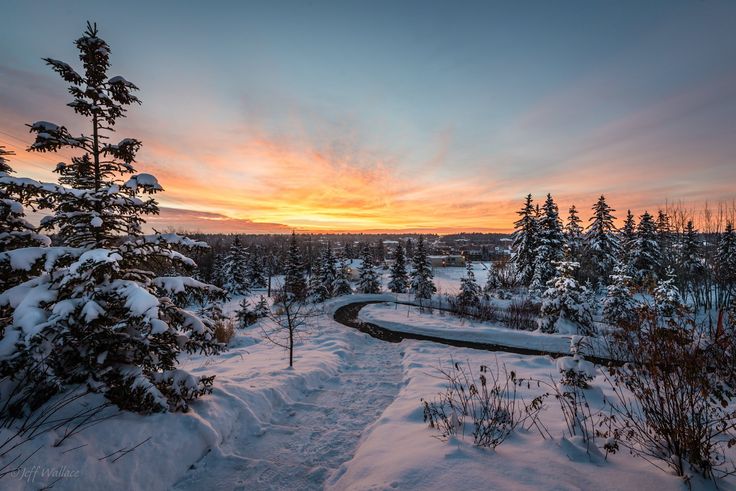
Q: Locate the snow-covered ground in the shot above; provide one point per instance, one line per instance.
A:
(346, 417)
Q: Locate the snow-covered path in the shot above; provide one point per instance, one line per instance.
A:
(309, 439)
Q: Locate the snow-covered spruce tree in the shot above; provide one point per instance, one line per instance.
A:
(327, 274)
(550, 242)
(725, 266)
(564, 303)
(470, 294)
(665, 241)
(105, 320)
(645, 254)
(342, 280)
(574, 234)
(234, 269)
(421, 284)
(314, 284)
(369, 281)
(15, 231)
(601, 240)
(619, 307)
(245, 315)
(261, 308)
(627, 240)
(399, 278)
(525, 241)
(257, 277)
(669, 305)
(294, 280)
(690, 263)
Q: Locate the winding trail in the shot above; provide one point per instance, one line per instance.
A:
(306, 441)
(347, 315)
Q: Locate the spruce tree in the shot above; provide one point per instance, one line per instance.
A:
(550, 242)
(328, 274)
(628, 240)
(234, 269)
(421, 284)
(619, 306)
(102, 319)
(525, 241)
(256, 269)
(470, 292)
(690, 260)
(295, 283)
(725, 265)
(399, 278)
(601, 240)
(574, 234)
(369, 281)
(665, 241)
(645, 253)
(565, 308)
(342, 280)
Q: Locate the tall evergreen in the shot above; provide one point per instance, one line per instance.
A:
(421, 284)
(550, 242)
(601, 239)
(257, 276)
(645, 253)
(470, 291)
(369, 280)
(399, 279)
(234, 269)
(342, 279)
(574, 234)
(327, 274)
(628, 239)
(725, 265)
(525, 241)
(690, 261)
(295, 283)
(102, 318)
(665, 241)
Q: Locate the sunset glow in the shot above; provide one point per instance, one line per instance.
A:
(254, 130)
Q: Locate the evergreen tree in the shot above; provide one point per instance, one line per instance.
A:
(525, 241)
(234, 269)
(574, 234)
(422, 284)
(628, 240)
(565, 308)
(725, 264)
(328, 275)
(645, 253)
(102, 318)
(244, 314)
(601, 240)
(665, 242)
(470, 292)
(294, 282)
(399, 279)
(669, 305)
(691, 265)
(369, 281)
(619, 306)
(550, 242)
(257, 277)
(342, 280)
(261, 309)
(15, 231)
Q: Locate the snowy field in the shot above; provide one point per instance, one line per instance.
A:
(348, 416)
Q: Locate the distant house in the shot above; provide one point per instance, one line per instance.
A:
(354, 269)
(447, 261)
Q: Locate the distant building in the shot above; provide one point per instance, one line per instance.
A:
(447, 261)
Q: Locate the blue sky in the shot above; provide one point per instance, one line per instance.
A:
(399, 115)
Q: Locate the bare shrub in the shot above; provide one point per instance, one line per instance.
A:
(489, 401)
(673, 399)
(522, 314)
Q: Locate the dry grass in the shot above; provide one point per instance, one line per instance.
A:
(224, 330)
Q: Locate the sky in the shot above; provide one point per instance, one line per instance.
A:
(262, 117)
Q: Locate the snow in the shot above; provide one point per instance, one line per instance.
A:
(96, 222)
(347, 416)
(143, 180)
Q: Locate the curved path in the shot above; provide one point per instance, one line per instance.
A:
(347, 315)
